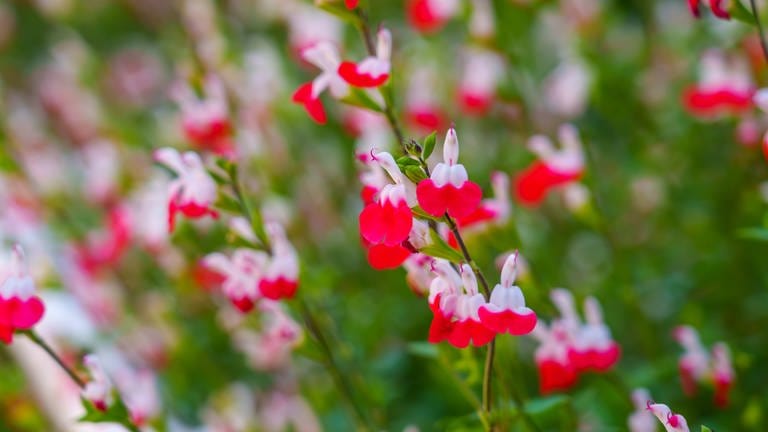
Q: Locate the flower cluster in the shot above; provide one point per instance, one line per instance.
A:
(569, 347)
(697, 365)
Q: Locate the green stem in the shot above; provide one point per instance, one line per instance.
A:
(337, 374)
(254, 218)
(34, 337)
(760, 29)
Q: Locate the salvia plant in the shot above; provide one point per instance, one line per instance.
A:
(453, 215)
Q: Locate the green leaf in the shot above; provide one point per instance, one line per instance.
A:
(740, 13)
(414, 173)
(428, 145)
(419, 213)
(340, 11)
(227, 203)
(360, 98)
(544, 405)
(423, 349)
(218, 178)
(705, 429)
(760, 234)
(440, 249)
(404, 161)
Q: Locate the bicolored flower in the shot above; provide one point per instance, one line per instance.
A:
(506, 311)
(373, 71)
(281, 273)
(554, 167)
(697, 365)
(672, 422)
(325, 56)
(105, 247)
(722, 373)
(455, 309)
(386, 222)
(716, 6)
(205, 121)
(270, 348)
(423, 110)
(449, 190)
(593, 347)
(556, 372)
(427, 16)
(98, 390)
(20, 308)
(724, 88)
(483, 69)
(193, 192)
(241, 275)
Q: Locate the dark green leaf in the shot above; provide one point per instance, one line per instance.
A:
(429, 145)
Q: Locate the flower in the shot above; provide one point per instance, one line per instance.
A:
(98, 390)
(281, 272)
(193, 192)
(20, 308)
(373, 71)
(448, 190)
(672, 422)
(696, 365)
(241, 275)
(724, 88)
(483, 69)
(506, 311)
(386, 222)
(206, 121)
(716, 6)
(428, 16)
(554, 167)
(641, 420)
(325, 56)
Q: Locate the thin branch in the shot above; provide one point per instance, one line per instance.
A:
(760, 29)
(34, 337)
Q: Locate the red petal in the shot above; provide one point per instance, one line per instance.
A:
(372, 225)
(348, 71)
(351, 4)
(427, 118)
(431, 198)
(694, 6)
(709, 103)
(481, 335)
(244, 304)
(604, 360)
(718, 10)
(464, 200)
(314, 107)
(26, 313)
(475, 104)
(555, 376)
(461, 334)
(441, 327)
(421, 16)
(278, 288)
(507, 321)
(6, 334)
(533, 184)
(383, 257)
(722, 389)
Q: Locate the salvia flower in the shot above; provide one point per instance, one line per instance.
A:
(271, 347)
(386, 222)
(554, 167)
(98, 390)
(506, 311)
(422, 108)
(20, 308)
(556, 371)
(193, 192)
(281, 273)
(483, 69)
(697, 365)
(325, 56)
(724, 88)
(373, 71)
(641, 419)
(449, 190)
(716, 6)
(428, 16)
(672, 422)
(205, 121)
(491, 211)
(455, 304)
(241, 275)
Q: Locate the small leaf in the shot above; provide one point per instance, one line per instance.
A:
(414, 173)
(218, 178)
(404, 161)
(419, 213)
(360, 98)
(440, 249)
(423, 349)
(705, 429)
(429, 145)
(740, 13)
(227, 203)
(340, 11)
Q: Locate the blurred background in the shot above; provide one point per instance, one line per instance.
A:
(667, 226)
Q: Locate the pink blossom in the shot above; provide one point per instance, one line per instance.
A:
(672, 422)
(193, 192)
(641, 419)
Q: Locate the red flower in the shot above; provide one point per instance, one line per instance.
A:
(313, 105)
(448, 190)
(20, 308)
(506, 311)
(428, 16)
